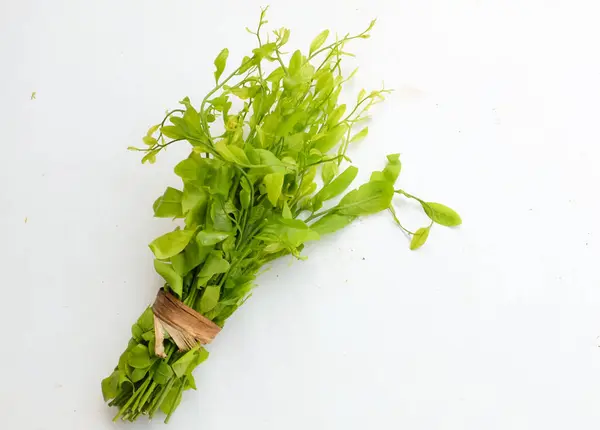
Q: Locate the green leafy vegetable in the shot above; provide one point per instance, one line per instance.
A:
(267, 145)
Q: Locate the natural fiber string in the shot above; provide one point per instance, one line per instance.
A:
(186, 327)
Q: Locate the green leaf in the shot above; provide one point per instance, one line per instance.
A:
(138, 357)
(171, 243)
(362, 93)
(324, 83)
(110, 386)
(137, 332)
(148, 337)
(220, 63)
(138, 374)
(287, 234)
(152, 130)
(206, 237)
(245, 199)
(360, 135)
(201, 356)
(221, 181)
(295, 63)
(318, 41)
(276, 75)
(336, 115)
(191, 168)
(172, 278)
(163, 373)
(273, 182)
(337, 186)
(172, 132)
(369, 198)
(231, 153)
(191, 257)
(286, 212)
(441, 214)
(219, 219)
(169, 204)
(210, 298)
(267, 158)
(193, 196)
(190, 382)
(146, 320)
(331, 139)
(149, 140)
(172, 399)
(264, 51)
(419, 238)
(182, 365)
(391, 172)
(214, 264)
(244, 93)
(331, 223)
(329, 171)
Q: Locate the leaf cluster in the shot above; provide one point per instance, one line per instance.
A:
(268, 152)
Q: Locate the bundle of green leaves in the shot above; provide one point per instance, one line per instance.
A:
(254, 189)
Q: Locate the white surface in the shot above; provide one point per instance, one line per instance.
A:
(490, 326)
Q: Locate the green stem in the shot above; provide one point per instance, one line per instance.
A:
(148, 393)
(393, 211)
(179, 392)
(319, 214)
(158, 401)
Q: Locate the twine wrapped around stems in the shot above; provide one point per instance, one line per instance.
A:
(186, 327)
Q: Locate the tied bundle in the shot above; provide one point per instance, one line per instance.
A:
(268, 150)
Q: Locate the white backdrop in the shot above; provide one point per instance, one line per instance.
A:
(493, 325)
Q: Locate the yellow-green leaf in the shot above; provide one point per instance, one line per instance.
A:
(206, 237)
(220, 63)
(295, 63)
(441, 214)
(273, 182)
(336, 187)
(169, 204)
(172, 278)
(149, 140)
(152, 130)
(318, 41)
(210, 298)
(331, 222)
(171, 243)
(329, 171)
(331, 139)
(419, 238)
(369, 198)
(360, 135)
(214, 264)
(232, 153)
(163, 373)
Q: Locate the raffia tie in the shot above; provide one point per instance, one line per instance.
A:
(186, 327)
